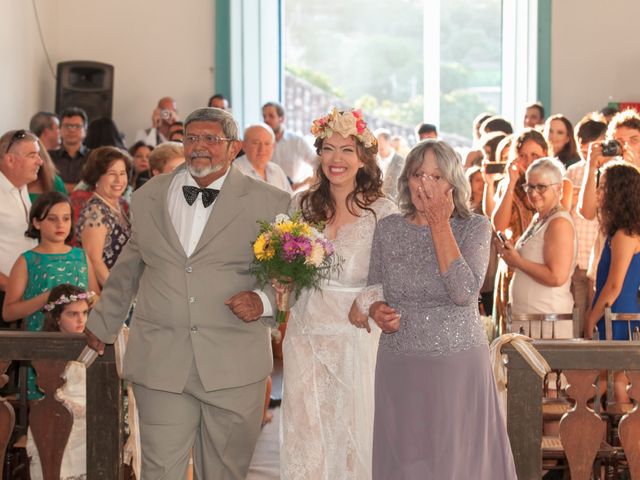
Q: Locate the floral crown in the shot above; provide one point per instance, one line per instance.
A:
(64, 299)
(345, 123)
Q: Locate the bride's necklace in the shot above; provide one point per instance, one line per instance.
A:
(537, 225)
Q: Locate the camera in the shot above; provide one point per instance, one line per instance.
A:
(611, 148)
(165, 114)
(495, 167)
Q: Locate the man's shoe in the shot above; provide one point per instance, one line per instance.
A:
(274, 402)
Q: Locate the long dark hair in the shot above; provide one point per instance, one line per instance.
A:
(41, 208)
(317, 203)
(569, 151)
(620, 207)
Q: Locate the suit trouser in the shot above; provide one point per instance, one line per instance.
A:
(222, 428)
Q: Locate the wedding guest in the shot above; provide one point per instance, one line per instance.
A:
(103, 224)
(166, 157)
(618, 275)
(559, 133)
(48, 178)
(66, 309)
(544, 257)
(51, 263)
(140, 153)
(434, 386)
(327, 402)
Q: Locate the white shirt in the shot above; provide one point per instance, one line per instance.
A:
(150, 137)
(14, 221)
(384, 162)
(275, 174)
(190, 220)
(295, 156)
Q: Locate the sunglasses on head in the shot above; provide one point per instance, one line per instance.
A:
(16, 137)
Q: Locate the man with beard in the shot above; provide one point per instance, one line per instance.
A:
(199, 352)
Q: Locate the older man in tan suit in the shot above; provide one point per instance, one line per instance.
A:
(199, 350)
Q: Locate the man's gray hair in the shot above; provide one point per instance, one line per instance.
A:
(450, 166)
(262, 125)
(552, 167)
(215, 115)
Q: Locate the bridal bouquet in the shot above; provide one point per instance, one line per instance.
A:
(294, 254)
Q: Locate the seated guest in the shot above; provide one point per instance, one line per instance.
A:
(544, 257)
(46, 126)
(140, 153)
(19, 164)
(618, 277)
(559, 133)
(258, 144)
(103, 224)
(166, 157)
(48, 178)
(72, 155)
(68, 316)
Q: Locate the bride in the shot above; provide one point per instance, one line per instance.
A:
(327, 407)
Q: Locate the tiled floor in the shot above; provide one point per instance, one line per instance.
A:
(265, 464)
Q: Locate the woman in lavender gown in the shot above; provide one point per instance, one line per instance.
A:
(436, 407)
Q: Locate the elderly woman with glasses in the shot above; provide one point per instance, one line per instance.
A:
(544, 257)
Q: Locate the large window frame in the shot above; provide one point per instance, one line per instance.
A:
(249, 67)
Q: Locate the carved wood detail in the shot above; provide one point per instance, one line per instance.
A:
(629, 427)
(581, 429)
(50, 419)
(7, 415)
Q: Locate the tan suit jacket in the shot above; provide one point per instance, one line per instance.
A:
(180, 315)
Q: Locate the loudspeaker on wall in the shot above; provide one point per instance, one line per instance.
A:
(87, 85)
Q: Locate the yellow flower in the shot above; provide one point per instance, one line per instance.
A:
(285, 227)
(262, 248)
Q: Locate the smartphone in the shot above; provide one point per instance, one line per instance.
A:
(501, 237)
(495, 167)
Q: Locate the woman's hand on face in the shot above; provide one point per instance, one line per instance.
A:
(385, 317)
(436, 198)
(357, 318)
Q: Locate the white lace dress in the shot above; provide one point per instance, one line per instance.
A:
(327, 401)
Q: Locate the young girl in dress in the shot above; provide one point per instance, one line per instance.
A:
(66, 310)
(51, 263)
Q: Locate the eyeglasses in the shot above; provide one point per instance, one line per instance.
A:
(72, 126)
(17, 136)
(540, 188)
(207, 139)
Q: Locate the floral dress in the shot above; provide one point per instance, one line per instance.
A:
(95, 213)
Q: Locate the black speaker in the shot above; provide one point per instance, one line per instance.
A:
(87, 85)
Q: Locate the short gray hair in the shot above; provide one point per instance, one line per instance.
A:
(262, 125)
(215, 115)
(450, 166)
(550, 166)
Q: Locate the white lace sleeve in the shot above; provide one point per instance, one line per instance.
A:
(369, 296)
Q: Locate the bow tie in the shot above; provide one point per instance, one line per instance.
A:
(191, 193)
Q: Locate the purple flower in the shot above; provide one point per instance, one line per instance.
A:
(293, 247)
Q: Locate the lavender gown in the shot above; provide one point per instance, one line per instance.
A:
(436, 406)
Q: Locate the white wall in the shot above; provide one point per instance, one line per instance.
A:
(595, 55)
(158, 48)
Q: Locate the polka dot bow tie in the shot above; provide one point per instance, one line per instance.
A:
(208, 194)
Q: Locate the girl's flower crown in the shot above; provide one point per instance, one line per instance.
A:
(64, 299)
(345, 123)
